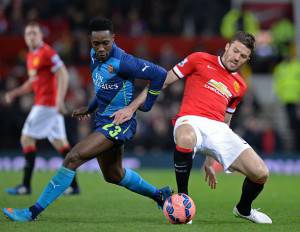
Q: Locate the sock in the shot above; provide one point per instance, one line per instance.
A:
(134, 182)
(56, 187)
(29, 155)
(64, 151)
(183, 162)
(250, 191)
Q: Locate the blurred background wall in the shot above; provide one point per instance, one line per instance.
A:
(163, 32)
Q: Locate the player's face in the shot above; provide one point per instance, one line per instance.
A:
(102, 42)
(33, 36)
(236, 54)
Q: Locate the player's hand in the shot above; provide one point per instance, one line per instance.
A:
(122, 115)
(210, 176)
(9, 97)
(81, 113)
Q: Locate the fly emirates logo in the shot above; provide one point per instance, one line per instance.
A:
(218, 88)
(98, 82)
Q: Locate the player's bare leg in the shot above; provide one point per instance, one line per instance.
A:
(90, 147)
(110, 162)
(29, 150)
(256, 172)
(185, 139)
(62, 147)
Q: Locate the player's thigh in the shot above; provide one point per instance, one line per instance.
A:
(110, 163)
(57, 131)
(251, 165)
(40, 122)
(93, 145)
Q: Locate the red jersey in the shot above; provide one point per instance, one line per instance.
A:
(42, 63)
(210, 90)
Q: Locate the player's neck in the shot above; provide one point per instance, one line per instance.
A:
(34, 48)
(224, 66)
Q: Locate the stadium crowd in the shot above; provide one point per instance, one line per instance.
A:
(65, 26)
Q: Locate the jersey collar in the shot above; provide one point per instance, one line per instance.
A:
(222, 65)
(38, 47)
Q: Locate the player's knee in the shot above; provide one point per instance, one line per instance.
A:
(26, 141)
(185, 140)
(113, 176)
(72, 160)
(262, 175)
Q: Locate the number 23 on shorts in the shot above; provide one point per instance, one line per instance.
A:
(112, 129)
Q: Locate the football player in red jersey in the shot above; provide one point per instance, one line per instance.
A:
(213, 89)
(48, 79)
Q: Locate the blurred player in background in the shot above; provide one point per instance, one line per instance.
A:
(48, 79)
(113, 73)
(212, 92)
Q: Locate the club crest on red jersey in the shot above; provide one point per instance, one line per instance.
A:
(35, 61)
(236, 86)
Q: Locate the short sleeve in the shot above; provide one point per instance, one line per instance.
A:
(233, 105)
(55, 61)
(187, 66)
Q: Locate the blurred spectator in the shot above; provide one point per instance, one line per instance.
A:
(265, 55)
(238, 20)
(3, 20)
(283, 33)
(287, 88)
(168, 56)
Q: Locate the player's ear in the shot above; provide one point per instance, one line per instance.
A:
(227, 46)
(113, 37)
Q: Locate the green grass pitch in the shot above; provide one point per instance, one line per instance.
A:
(106, 207)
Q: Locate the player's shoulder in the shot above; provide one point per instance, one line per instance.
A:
(47, 49)
(117, 52)
(200, 56)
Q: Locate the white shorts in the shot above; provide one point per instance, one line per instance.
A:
(215, 138)
(44, 122)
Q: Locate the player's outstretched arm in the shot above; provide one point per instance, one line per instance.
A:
(26, 87)
(171, 78)
(210, 174)
(126, 113)
(62, 87)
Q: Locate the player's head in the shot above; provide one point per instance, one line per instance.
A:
(33, 35)
(102, 37)
(238, 50)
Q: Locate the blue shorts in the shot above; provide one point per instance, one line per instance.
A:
(120, 134)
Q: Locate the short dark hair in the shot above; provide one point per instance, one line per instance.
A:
(33, 24)
(245, 38)
(101, 24)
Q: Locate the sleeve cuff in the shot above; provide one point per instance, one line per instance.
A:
(177, 72)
